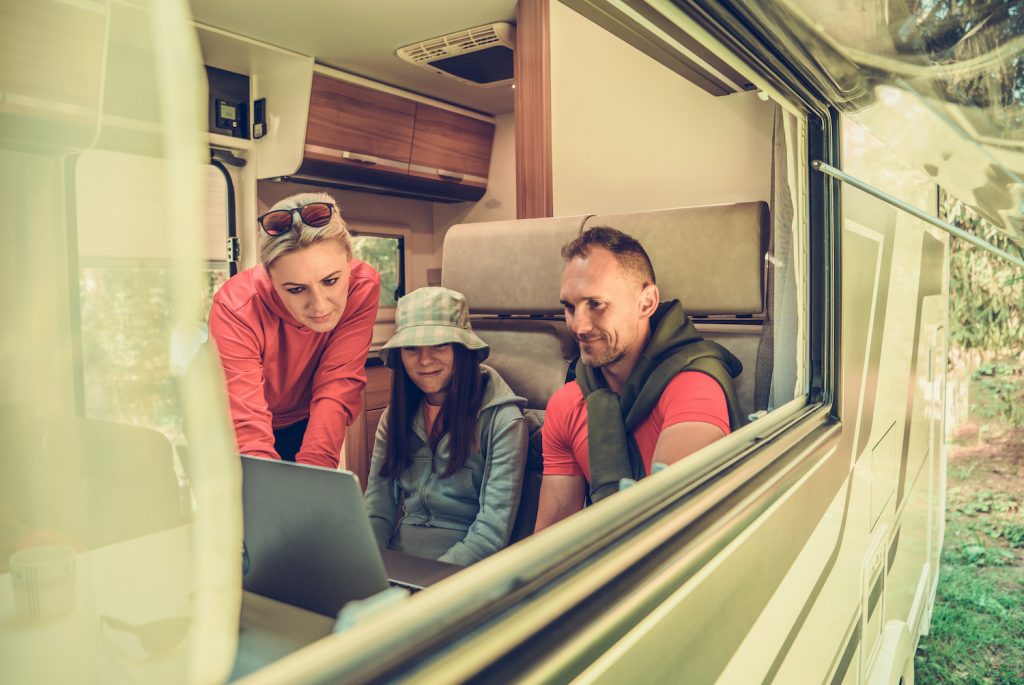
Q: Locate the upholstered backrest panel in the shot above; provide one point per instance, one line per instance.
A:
(711, 258)
(532, 355)
(508, 267)
(742, 341)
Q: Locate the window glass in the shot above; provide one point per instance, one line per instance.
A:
(383, 253)
(124, 360)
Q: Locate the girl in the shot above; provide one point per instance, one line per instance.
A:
(450, 449)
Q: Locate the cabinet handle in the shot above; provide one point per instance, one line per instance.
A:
(451, 175)
(356, 157)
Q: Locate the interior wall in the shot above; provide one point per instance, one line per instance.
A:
(499, 203)
(628, 134)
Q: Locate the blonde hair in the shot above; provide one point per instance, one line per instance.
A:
(301, 235)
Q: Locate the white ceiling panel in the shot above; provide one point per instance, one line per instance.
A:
(361, 36)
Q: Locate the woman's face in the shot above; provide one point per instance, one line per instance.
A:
(430, 368)
(313, 284)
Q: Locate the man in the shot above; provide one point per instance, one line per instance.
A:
(648, 387)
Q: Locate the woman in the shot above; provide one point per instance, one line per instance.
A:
(293, 333)
(451, 447)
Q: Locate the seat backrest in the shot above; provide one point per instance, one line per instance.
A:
(104, 481)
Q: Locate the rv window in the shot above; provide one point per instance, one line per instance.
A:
(385, 253)
(123, 358)
(122, 375)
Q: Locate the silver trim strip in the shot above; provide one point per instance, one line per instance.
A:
(367, 160)
(830, 170)
(447, 175)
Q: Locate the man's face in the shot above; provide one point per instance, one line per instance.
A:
(606, 308)
(313, 284)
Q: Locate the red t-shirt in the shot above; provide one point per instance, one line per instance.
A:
(690, 396)
(280, 372)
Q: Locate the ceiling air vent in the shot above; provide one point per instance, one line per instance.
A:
(481, 56)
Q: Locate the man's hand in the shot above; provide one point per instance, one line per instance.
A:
(560, 496)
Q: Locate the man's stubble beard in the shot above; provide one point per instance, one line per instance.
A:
(611, 356)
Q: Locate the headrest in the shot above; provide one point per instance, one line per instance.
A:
(710, 258)
(508, 267)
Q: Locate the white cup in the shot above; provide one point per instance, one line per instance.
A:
(44, 581)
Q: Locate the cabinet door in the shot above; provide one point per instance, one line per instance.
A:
(451, 147)
(378, 387)
(357, 126)
(372, 421)
(356, 459)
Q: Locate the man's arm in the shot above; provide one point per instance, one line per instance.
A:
(683, 439)
(694, 414)
(560, 496)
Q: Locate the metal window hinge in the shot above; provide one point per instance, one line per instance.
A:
(234, 249)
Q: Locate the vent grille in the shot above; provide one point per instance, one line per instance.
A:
(480, 56)
(452, 44)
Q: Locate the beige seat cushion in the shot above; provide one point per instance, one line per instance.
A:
(710, 258)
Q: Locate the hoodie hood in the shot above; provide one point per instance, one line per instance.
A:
(497, 392)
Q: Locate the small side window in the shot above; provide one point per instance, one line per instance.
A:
(386, 254)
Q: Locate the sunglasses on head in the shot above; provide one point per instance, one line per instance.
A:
(314, 215)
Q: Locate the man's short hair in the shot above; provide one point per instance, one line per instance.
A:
(628, 251)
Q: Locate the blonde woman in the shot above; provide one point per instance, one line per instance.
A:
(293, 333)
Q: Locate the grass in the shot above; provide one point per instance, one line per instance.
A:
(977, 627)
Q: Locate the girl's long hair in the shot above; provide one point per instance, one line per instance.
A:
(457, 417)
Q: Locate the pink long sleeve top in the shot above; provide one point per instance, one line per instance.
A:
(280, 372)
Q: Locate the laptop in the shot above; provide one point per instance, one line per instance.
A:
(308, 540)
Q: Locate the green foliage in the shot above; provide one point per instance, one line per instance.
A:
(126, 332)
(977, 625)
(977, 628)
(986, 314)
(979, 554)
(1014, 535)
(986, 501)
(986, 292)
(383, 253)
(998, 392)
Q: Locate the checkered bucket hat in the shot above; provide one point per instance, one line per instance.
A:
(433, 316)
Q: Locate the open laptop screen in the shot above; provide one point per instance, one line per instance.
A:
(308, 539)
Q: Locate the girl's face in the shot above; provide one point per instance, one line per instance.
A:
(430, 368)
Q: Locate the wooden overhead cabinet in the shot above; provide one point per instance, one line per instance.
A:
(373, 140)
(355, 126)
(450, 147)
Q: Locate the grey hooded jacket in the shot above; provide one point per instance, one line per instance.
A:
(469, 515)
